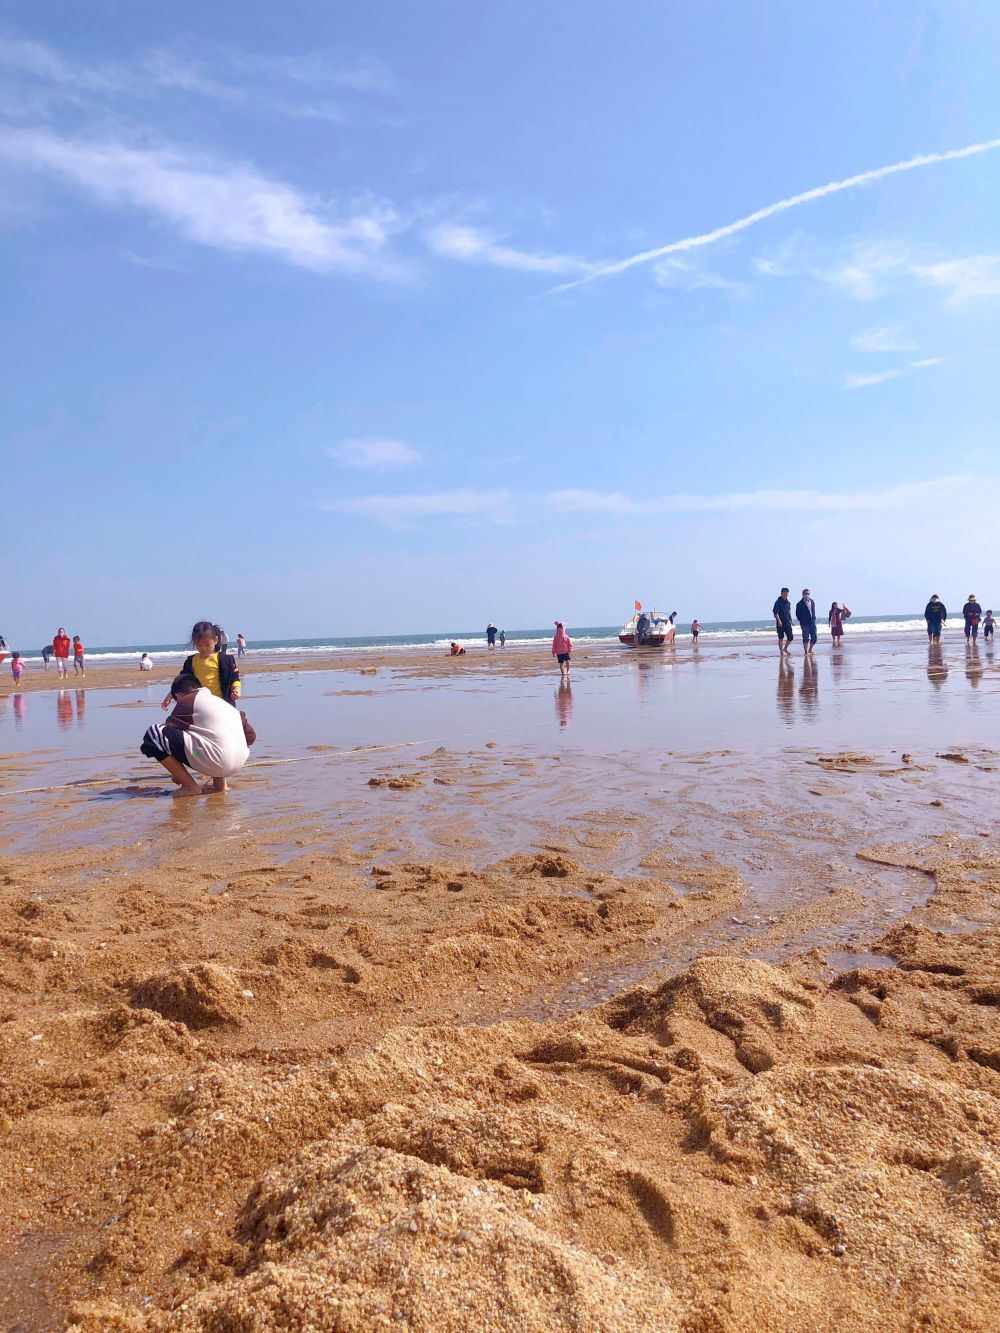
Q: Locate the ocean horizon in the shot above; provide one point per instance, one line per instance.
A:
(332, 643)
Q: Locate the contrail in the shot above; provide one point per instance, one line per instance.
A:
(731, 228)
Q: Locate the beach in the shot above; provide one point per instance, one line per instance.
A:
(664, 1001)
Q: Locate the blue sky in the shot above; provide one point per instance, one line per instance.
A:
(317, 318)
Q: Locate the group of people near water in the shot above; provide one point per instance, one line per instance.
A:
(936, 613)
(805, 614)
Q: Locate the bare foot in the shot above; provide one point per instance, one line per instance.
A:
(185, 790)
(215, 784)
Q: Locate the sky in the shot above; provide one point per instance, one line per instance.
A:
(400, 317)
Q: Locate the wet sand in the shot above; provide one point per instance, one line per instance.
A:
(672, 1005)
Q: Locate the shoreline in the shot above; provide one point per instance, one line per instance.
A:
(520, 660)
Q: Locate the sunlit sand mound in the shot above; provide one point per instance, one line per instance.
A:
(640, 1167)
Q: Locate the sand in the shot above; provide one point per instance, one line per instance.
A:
(254, 1105)
(709, 1046)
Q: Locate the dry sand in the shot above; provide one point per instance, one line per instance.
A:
(300, 1097)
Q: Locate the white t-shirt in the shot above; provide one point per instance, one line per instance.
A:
(145, 664)
(214, 742)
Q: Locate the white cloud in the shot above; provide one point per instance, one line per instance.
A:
(218, 204)
(685, 275)
(782, 206)
(890, 497)
(963, 280)
(864, 270)
(397, 510)
(277, 82)
(862, 380)
(882, 339)
(472, 245)
(375, 453)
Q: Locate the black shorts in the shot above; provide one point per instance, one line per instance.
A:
(562, 658)
(162, 741)
(785, 632)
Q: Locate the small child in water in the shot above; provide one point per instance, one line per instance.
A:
(988, 625)
(17, 667)
(562, 647)
(695, 629)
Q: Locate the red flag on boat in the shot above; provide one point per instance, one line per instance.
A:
(638, 606)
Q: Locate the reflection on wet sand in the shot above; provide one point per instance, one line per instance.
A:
(840, 665)
(973, 665)
(64, 711)
(809, 689)
(937, 669)
(564, 703)
(786, 691)
(19, 702)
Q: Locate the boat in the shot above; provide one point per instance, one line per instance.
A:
(647, 629)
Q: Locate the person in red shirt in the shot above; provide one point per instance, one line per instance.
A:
(78, 656)
(60, 650)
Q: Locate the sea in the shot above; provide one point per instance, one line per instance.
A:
(333, 644)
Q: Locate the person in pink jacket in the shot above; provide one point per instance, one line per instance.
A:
(562, 646)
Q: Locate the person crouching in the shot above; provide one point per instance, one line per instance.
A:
(203, 733)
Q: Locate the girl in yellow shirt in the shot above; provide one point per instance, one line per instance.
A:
(214, 670)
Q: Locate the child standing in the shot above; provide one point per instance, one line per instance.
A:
(17, 667)
(988, 625)
(562, 647)
(215, 670)
(695, 630)
(78, 656)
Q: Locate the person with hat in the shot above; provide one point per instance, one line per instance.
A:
(973, 614)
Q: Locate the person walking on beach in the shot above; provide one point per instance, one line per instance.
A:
(46, 654)
(491, 635)
(562, 647)
(202, 733)
(695, 630)
(935, 613)
(836, 618)
(215, 670)
(805, 614)
(78, 666)
(972, 612)
(782, 612)
(241, 646)
(988, 623)
(503, 638)
(60, 648)
(17, 667)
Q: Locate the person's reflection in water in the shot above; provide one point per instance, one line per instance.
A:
(81, 706)
(937, 670)
(973, 665)
(809, 689)
(840, 664)
(564, 703)
(786, 690)
(64, 710)
(19, 702)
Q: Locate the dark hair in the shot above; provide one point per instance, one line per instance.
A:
(202, 627)
(184, 684)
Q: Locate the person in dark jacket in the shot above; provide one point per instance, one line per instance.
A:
(782, 612)
(973, 613)
(805, 614)
(935, 613)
